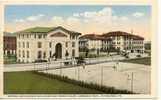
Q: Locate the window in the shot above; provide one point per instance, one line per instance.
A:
(44, 55)
(118, 38)
(27, 44)
(39, 36)
(23, 44)
(73, 53)
(19, 44)
(39, 55)
(66, 44)
(27, 35)
(23, 53)
(50, 53)
(27, 54)
(73, 44)
(39, 45)
(50, 44)
(19, 53)
(44, 35)
(35, 36)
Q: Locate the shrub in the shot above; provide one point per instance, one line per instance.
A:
(138, 55)
(39, 61)
(80, 60)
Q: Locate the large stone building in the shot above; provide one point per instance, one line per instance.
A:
(94, 42)
(127, 42)
(42, 43)
(9, 43)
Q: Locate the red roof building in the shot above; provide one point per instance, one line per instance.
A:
(9, 43)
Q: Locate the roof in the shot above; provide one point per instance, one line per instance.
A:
(94, 37)
(9, 34)
(120, 33)
(46, 30)
(38, 30)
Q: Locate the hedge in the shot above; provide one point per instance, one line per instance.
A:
(105, 89)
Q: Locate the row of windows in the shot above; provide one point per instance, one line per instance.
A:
(23, 44)
(22, 53)
(136, 47)
(39, 36)
(39, 44)
(41, 54)
(50, 44)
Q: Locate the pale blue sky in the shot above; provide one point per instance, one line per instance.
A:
(16, 12)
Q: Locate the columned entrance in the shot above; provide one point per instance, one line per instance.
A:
(58, 51)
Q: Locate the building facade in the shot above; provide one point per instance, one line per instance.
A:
(94, 42)
(127, 42)
(43, 43)
(9, 44)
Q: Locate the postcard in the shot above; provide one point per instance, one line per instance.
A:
(70, 49)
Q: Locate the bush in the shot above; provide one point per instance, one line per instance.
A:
(105, 89)
(138, 55)
(40, 61)
(80, 60)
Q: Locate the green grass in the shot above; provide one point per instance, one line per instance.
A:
(31, 83)
(145, 61)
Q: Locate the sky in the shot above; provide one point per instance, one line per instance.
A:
(86, 19)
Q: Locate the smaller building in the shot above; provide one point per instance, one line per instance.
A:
(94, 42)
(127, 42)
(9, 43)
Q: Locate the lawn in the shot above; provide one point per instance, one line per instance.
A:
(31, 83)
(145, 61)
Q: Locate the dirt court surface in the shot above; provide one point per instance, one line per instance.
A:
(106, 74)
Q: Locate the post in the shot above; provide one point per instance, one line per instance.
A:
(101, 75)
(34, 66)
(132, 81)
(46, 67)
(60, 67)
(78, 72)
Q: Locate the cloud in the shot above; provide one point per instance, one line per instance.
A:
(98, 21)
(76, 14)
(138, 14)
(57, 20)
(19, 20)
(107, 11)
(30, 18)
(123, 18)
(35, 18)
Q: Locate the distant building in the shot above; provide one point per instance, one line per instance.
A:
(147, 45)
(43, 43)
(124, 41)
(9, 43)
(94, 42)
